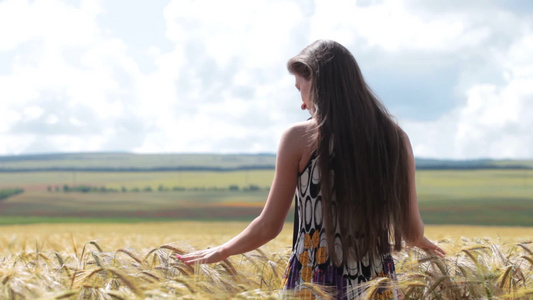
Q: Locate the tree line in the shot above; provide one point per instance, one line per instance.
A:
(161, 188)
(6, 193)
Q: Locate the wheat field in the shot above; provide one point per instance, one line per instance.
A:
(136, 261)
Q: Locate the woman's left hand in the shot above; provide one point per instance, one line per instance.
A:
(207, 256)
(426, 244)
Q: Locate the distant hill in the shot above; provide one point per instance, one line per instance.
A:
(131, 162)
(438, 164)
(135, 162)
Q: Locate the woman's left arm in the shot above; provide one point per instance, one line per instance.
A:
(415, 230)
(270, 222)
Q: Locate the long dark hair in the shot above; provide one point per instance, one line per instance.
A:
(362, 156)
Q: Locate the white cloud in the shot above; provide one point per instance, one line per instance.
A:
(50, 20)
(222, 86)
(495, 121)
(51, 119)
(10, 118)
(257, 31)
(68, 77)
(228, 63)
(12, 143)
(391, 26)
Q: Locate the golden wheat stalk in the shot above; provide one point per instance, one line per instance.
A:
(523, 246)
(319, 292)
(128, 253)
(66, 294)
(126, 280)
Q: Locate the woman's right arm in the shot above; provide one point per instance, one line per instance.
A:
(270, 222)
(415, 228)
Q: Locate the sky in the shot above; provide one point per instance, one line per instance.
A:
(209, 76)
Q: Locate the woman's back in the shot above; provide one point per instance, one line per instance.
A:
(310, 261)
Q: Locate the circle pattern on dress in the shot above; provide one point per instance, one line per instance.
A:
(310, 261)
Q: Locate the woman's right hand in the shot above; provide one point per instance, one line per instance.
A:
(429, 246)
(207, 256)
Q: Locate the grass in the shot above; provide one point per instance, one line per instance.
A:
(39, 181)
(475, 211)
(216, 205)
(431, 184)
(10, 220)
(474, 184)
(135, 261)
(130, 160)
(484, 197)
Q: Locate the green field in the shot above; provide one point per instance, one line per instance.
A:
(487, 197)
(482, 197)
(187, 179)
(118, 161)
(126, 161)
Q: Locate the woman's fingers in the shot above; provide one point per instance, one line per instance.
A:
(203, 257)
(194, 260)
(439, 251)
(429, 246)
(188, 257)
(196, 253)
(191, 256)
(436, 250)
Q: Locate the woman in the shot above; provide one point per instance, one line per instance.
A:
(353, 171)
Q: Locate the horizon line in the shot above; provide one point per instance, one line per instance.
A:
(228, 154)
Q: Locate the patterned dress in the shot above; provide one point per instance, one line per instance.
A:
(310, 262)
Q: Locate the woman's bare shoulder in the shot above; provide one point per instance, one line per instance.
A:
(405, 139)
(299, 138)
(305, 125)
(302, 133)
